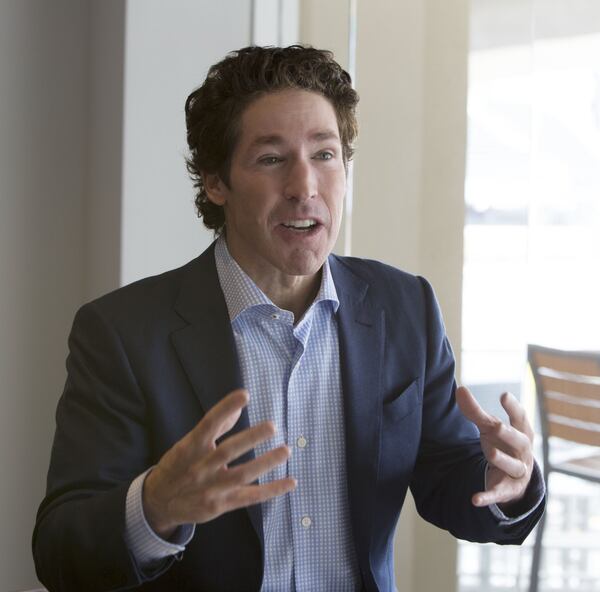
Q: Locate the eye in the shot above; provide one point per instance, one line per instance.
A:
(324, 155)
(270, 160)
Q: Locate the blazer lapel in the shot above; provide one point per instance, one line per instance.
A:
(361, 336)
(206, 348)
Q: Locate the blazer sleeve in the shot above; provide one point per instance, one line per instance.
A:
(450, 465)
(99, 448)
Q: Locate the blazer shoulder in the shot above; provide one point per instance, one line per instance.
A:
(400, 293)
(383, 277)
(153, 296)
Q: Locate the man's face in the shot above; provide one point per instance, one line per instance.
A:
(286, 188)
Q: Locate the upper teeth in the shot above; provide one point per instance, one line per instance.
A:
(300, 223)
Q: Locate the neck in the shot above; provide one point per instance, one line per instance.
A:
(287, 291)
(295, 293)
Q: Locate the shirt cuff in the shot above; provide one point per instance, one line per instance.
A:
(533, 497)
(147, 548)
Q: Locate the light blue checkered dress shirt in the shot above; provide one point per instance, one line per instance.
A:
(293, 375)
(292, 372)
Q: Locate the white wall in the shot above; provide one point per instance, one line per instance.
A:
(74, 115)
(102, 201)
(169, 47)
(43, 174)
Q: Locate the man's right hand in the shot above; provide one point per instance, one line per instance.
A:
(192, 482)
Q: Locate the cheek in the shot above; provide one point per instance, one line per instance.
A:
(337, 193)
(249, 205)
(259, 197)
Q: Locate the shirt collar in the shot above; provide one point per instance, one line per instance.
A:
(241, 293)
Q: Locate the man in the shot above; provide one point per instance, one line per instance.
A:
(253, 419)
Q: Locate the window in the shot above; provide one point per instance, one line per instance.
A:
(532, 244)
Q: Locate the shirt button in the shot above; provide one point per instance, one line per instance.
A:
(275, 316)
(301, 442)
(306, 521)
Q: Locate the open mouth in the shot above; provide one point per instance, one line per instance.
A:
(301, 225)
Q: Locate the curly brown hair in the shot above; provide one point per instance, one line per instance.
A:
(213, 111)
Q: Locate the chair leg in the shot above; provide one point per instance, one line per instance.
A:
(537, 556)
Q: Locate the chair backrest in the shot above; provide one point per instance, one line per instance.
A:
(568, 393)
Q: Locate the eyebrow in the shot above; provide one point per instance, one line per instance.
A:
(275, 139)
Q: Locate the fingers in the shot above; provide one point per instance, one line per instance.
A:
(256, 494)
(507, 448)
(234, 446)
(484, 498)
(249, 495)
(471, 409)
(219, 420)
(507, 439)
(250, 471)
(513, 467)
(493, 496)
(511, 439)
(192, 482)
(516, 414)
(506, 490)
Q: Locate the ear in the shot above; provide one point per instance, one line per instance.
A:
(216, 190)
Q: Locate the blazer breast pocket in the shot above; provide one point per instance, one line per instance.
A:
(403, 404)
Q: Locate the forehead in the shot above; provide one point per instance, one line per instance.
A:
(287, 114)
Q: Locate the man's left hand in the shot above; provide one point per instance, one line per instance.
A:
(507, 448)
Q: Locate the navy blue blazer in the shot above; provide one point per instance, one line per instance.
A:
(148, 360)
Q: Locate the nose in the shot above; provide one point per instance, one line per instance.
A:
(300, 181)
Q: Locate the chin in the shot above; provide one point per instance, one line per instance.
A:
(303, 264)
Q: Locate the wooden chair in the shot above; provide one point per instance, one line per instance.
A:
(567, 385)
